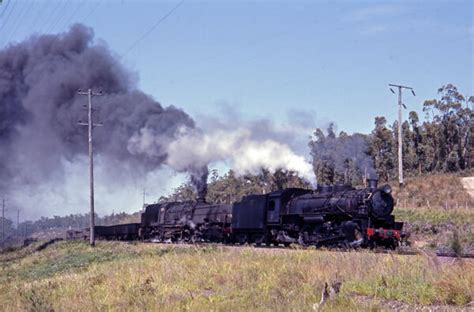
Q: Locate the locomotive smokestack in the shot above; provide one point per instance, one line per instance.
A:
(199, 181)
(372, 184)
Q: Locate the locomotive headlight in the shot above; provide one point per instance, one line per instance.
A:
(387, 189)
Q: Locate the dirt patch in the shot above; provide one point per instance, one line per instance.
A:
(393, 305)
(468, 184)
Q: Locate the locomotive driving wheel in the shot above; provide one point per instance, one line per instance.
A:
(258, 239)
(241, 238)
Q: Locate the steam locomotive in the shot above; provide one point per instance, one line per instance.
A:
(333, 215)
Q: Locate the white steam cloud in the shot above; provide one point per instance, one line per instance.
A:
(238, 148)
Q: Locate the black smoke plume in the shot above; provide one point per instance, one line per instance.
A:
(40, 109)
(199, 180)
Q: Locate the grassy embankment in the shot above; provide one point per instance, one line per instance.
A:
(439, 229)
(438, 211)
(73, 276)
(444, 191)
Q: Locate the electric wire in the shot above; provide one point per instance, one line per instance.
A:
(36, 19)
(20, 19)
(56, 16)
(61, 16)
(8, 16)
(99, 3)
(74, 13)
(153, 27)
(51, 15)
(5, 9)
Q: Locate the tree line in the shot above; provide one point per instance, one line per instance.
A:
(230, 187)
(74, 221)
(442, 142)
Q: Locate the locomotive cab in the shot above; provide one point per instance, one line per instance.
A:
(150, 215)
(248, 217)
(255, 216)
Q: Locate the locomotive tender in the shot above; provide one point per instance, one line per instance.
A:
(338, 215)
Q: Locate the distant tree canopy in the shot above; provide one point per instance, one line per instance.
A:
(230, 187)
(339, 158)
(441, 143)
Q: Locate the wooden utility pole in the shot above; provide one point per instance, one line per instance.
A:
(90, 125)
(18, 232)
(3, 223)
(400, 140)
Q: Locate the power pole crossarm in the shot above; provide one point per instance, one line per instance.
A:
(90, 126)
(400, 138)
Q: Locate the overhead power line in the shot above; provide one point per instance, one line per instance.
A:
(20, 19)
(62, 12)
(74, 13)
(54, 17)
(50, 16)
(36, 19)
(92, 11)
(5, 8)
(153, 27)
(8, 16)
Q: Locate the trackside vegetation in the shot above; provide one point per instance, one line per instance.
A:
(70, 275)
(441, 230)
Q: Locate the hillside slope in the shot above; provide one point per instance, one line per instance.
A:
(433, 191)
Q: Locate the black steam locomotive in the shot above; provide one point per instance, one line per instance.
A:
(337, 215)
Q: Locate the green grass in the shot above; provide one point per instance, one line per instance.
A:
(449, 230)
(121, 276)
(68, 256)
(457, 217)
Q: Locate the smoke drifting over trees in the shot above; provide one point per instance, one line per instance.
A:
(41, 142)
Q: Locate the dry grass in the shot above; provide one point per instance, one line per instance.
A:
(433, 191)
(120, 276)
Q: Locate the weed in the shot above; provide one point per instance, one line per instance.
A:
(456, 245)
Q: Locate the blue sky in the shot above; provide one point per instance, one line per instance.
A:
(331, 60)
(294, 63)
